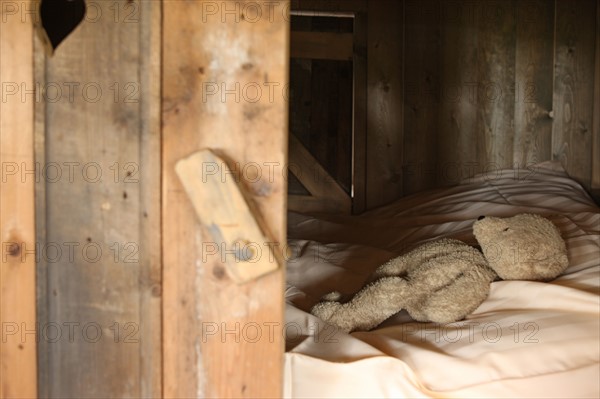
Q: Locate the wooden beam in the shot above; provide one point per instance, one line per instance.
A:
(315, 179)
(223, 89)
(17, 205)
(321, 45)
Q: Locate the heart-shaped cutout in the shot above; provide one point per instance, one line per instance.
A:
(59, 18)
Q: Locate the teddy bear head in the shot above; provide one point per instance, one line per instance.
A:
(522, 247)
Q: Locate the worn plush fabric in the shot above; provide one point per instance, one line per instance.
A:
(522, 247)
(445, 280)
(527, 339)
(442, 281)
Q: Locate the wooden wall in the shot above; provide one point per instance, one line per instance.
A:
(496, 84)
(462, 87)
(98, 206)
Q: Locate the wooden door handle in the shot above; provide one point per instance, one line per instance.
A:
(220, 205)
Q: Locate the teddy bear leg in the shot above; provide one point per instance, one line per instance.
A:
(392, 268)
(403, 264)
(371, 306)
(455, 301)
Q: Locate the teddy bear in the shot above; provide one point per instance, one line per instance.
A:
(445, 280)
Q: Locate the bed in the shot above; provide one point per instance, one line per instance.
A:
(528, 339)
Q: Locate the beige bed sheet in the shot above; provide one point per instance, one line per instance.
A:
(528, 339)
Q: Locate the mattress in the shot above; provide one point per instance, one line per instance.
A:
(527, 339)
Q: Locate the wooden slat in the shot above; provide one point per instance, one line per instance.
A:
(17, 219)
(321, 45)
(596, 129)
(209, 321)
(573, 94)
(106, 207)
(384, 102)
(421, 93)
(150, 256)
(495, 83)
(40, 50)
(359, 142)
(458, 131)
(534, 81)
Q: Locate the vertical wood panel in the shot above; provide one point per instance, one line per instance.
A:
(495, 84)
(421, 93)
(458, 129)
(150, 259)
(40, 213)
(359, 131)
(574, 93)
(534, 81)
(100, 181)
(384, 102)
(596, 129)
(207, 349)
(17, 218)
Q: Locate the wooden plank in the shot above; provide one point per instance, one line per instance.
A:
(534, 82)
(459, 76)
(209, 321)
(596, 129)
(102, 192)
(321, 45)
(150, 254)
(384, 102)
(314, 177)
(359, 132)
(41, 49)
(17, 206)
(496, 22)
(574, 95)
(421, 93)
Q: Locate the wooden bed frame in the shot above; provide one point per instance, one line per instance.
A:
(142, 308)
